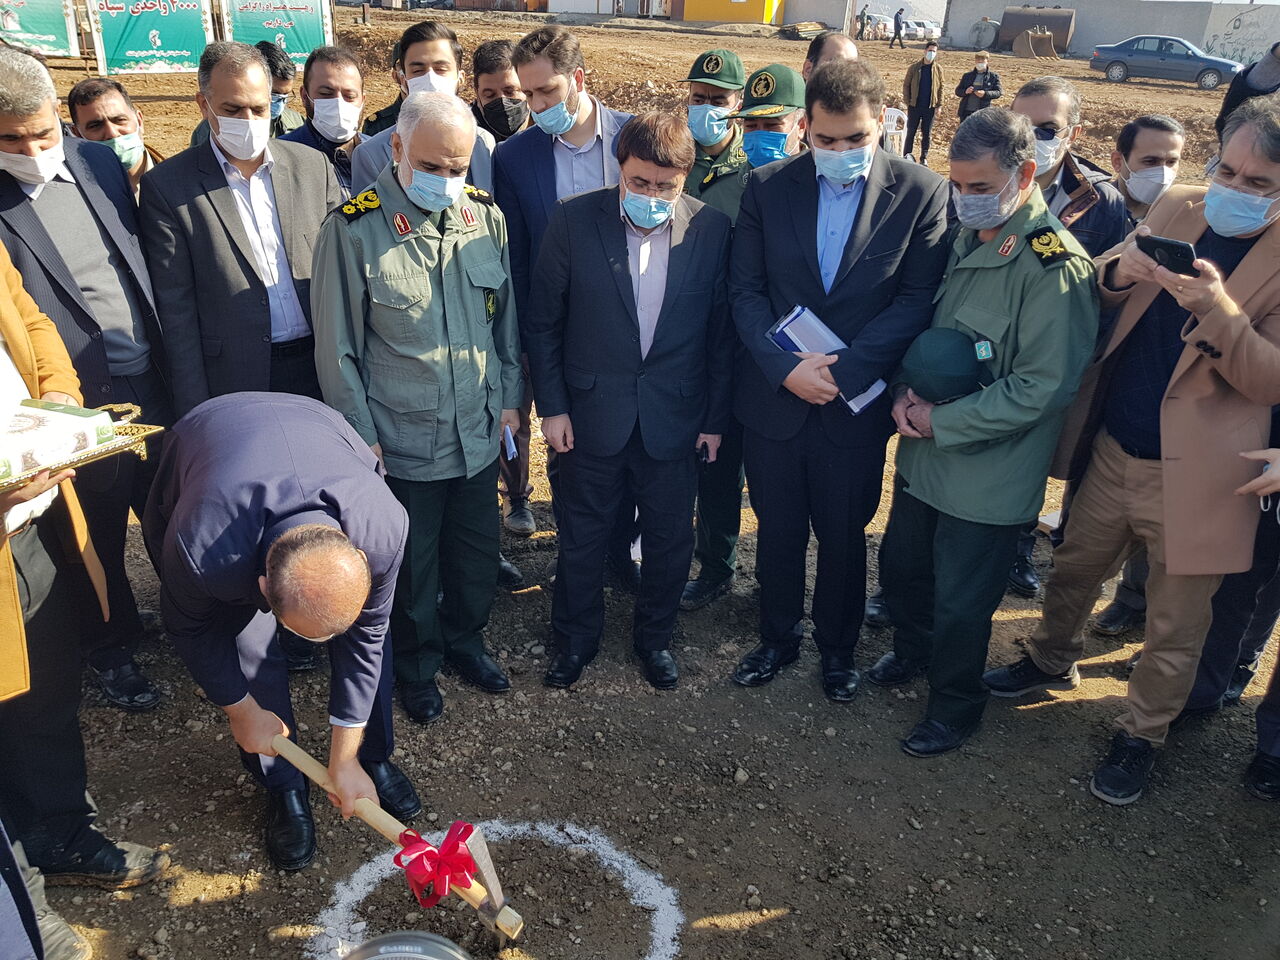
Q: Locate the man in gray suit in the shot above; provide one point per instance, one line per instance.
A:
(631, 353)
(229, 225)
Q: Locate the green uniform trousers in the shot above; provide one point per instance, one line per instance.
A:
(453, 547)
(943, 579)
(720, 509)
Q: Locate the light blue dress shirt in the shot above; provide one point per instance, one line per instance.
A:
(837, 209)
(579, 169)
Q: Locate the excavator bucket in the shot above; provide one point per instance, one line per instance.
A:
(1034, 45)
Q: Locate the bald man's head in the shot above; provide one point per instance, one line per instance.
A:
(316, 581)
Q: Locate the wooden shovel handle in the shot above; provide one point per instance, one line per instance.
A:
(507, 920)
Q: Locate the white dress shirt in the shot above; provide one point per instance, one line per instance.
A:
(256, 203)
(648, 255)
(13, 390)
(33, 190)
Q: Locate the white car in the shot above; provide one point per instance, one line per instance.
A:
(921, 30)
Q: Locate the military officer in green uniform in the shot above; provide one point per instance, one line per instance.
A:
(972, 471)
(771, 109)
(772, 115)
(417, 345)
(718, 177)
(720, 171)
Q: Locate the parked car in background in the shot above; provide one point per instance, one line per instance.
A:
(1164, 58)
(880, 27)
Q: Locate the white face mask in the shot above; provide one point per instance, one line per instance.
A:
(41, 168)
(432, 82)
(337, 119)
(1047, 154)
(244, 139)
(1146, 186)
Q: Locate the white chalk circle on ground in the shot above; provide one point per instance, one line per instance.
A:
(341, 932)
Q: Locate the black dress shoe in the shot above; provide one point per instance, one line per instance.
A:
(126, 687)
(422, 701)
(59, 940)
(1023, 676)
(876, 611)
(396, 794)
(1122, 777)
(509, 575)
(624, 573)
(1023, 579)
(290, 833)
(763, 663)
(659, 668)
(565, 670)
(840, 678)
(480, 671)
(701, 591)
(892, 670)
(301, 655)
(930, 738)
(519, 518)
(1262, 778)
(114, 865)
(1117, 618)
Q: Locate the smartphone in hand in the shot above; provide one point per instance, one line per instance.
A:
(1175, 255)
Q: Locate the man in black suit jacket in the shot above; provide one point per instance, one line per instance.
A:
(855, 234)
(630, 351)
(229, 226)
(69, 223)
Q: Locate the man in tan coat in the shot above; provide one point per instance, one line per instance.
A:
(45, 810)
(1183, 387)
(922, 93)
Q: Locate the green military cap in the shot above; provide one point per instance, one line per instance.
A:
(942, 364)
(719, 68)
(772, 91)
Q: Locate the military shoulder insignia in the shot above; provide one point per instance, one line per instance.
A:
(361, 204)
(763, 85)
(475, 193)
(1048, 246)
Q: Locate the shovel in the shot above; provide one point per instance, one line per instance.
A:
(462, 853)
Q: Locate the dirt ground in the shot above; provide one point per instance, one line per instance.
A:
(788, 827)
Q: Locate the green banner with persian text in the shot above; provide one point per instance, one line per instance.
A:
(295, 26)
(47, 26)
(150, 36)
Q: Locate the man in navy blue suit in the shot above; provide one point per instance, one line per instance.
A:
(68, 220)
(855, 234)
(571, 148)
(266, 507)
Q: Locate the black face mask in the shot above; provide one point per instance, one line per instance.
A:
(505, 116)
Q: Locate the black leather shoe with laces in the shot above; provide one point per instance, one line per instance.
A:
(1121, 778)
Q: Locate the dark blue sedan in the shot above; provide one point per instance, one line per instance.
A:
(1165, 58)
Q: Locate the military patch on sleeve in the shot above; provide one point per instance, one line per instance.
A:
(490, 305)
(361, 204)
(481, 196)
(1048, 246)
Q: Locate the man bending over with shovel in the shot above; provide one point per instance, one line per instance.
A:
(268, 507)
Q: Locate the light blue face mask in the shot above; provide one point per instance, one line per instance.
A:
(707, 123)
(127, 148)
(432, 192)
(764, 146)
(278, 100)
(647, 212)
(843, 166)
(1234, 214)
(984, 211)
(554, 121)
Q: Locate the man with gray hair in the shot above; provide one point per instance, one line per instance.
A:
(230, 224)
(979, 402)
(417, 345)
(68, 220)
